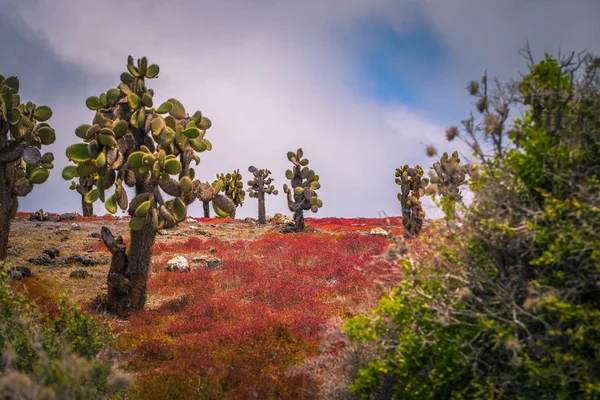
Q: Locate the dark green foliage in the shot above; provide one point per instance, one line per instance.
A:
(509, 306)
(304, 185)
(50, 358)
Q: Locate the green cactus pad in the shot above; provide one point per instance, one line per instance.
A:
(147, 99)
(152, 71)
(135, 159)
(39, 175)
(185, 184)
(14, 116)
(78, 152)
(178, 111)
(290, 155)
(69, 172)
(172, 166)
(91, 196)
(220, 213)
(319, 203)
(304, 162)
(13, 83)
(164, 107)
(48, 158)
(42, 113)
(113, 94)
(142, 209)
(205, 123)
(198, 145)
(136, 224)
(224, 203)
(315, 185)
(289, 174)
(179, 210)
(133, 100)
(81, 131)
(111, 204)
(298, 191)
(93, 103)
(46, 135)
(108, 141)
(100, 161)
(86, 168)
(120, 128)
(126, 78)
(191, 133)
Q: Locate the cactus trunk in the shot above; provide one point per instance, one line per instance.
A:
(88, 208)
(262, 220)
(299, 218)
(5, 214)
(206, 206)
(232, 215)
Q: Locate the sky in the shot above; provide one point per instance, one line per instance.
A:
(362, 86)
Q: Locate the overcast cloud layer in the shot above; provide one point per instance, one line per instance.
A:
(277, 75)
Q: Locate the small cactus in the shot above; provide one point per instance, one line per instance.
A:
(446, 179)
(132, 142)
(233, 188)
(412, 188)
(257, 188)
(23, 132)
(303, 192)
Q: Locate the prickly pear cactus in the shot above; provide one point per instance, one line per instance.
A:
(302, 196)
(446, 179)
(84, 185)
(23, 132)
(260, 185)
(136, 143)
(412, 188)
(233, 188)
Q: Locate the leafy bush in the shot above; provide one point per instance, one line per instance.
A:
(510, 305)
(49, 358)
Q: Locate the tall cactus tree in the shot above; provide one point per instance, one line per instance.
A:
(257, 188)
(131, 143)
(412, 188)
(233, 188)
(304, 185)
(23, 132)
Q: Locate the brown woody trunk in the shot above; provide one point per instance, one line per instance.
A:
(6, 199)
(88, 208)
(206, 206)
(299, 218)
(232, 215)
(262, 220)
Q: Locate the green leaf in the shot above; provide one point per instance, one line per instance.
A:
(172, 166)
(111, 204)
(46, 135)
(69, 172)
(164, 108)
(39, 176)
(136, 224)
(78, 152)
(93, 103)
(152, 71)
(142, 209)
(120, 128)
(42, 113)
(81, 131)
(91, 196)
(192, 133)
(290, 155)
(289, 174)
(133, 100)
(113, 94)
(136, 159)
(179, 210)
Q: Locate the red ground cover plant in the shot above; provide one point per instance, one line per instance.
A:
(233, 332)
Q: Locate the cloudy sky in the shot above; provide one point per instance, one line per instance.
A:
(361, 85)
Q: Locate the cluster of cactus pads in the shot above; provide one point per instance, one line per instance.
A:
(412, 188)
(446, 179)
(23, 132)
(260, 185)
(133, 143)
(302, 196)
(233, 188)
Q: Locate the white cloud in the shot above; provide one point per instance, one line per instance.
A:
(272, 77)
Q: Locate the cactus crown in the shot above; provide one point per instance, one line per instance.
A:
(261, 182)
(447, 176)
(132, 142)
(25, 131)
(233, 187)
(304, 184)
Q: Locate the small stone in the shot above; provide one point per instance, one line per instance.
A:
(250, 220)
(67, 216)
(44, 259)
(95, 235)
(190, 220)
(213, 263)
(178, 263)
(199, 259)
(379, 232)
(15, 251)
(163, 233)
(75, 226)
(91, 250)
(38, 225)
(193, 228)
(211, 250)
(52, 252)
(80, 274)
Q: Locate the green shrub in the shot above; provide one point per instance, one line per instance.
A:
(509, 307)
(55, 357)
